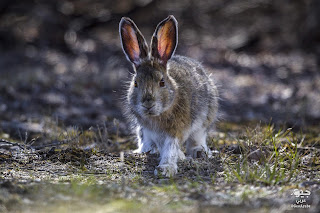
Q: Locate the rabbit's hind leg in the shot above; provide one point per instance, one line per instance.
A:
(196, 144)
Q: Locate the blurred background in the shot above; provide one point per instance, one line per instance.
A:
(62, 60)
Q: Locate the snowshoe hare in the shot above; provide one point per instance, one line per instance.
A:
(171, 98)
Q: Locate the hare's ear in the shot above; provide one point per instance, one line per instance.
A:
(165, 39)
(133, 43)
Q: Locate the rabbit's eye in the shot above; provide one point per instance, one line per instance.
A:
(161, 83)
(135, 84)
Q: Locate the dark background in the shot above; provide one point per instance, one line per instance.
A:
(62, 60)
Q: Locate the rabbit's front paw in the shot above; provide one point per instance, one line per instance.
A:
(167, 170)
(141, 150)
(181, 155)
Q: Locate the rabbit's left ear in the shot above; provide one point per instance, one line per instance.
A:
(165, 39)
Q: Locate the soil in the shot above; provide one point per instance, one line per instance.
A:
(63, 78)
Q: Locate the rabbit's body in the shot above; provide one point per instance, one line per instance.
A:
(173, 99)
(192, 109)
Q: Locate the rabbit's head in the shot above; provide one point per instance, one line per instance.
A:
(152, 90)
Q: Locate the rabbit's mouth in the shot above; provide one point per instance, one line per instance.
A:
(151, 114)
(149, 111)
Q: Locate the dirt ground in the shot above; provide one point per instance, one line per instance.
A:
(67, 177)
(62, 131)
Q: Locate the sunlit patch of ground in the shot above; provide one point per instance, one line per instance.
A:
(253, 169)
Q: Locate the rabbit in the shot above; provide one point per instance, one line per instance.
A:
(172, 98)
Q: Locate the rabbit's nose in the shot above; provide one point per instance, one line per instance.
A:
(147, 99)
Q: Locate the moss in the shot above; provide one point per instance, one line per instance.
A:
(121, 205)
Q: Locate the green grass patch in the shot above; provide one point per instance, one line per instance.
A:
(267, 156)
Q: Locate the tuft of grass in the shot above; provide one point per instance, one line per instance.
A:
(267, 157)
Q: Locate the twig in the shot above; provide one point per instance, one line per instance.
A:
(14, 144)
(56, 143)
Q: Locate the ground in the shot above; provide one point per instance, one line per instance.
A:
(255, 170)
(63, 80)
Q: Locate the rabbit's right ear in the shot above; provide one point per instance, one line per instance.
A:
(133, 43)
